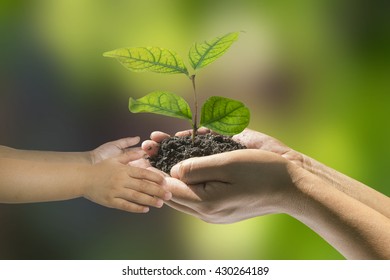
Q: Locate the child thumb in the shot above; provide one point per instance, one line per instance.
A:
(132, 155)
(125, 158)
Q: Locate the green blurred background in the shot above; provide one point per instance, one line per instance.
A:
(315, 74)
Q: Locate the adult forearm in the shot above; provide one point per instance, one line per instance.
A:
(349, 186)
(33, 181)
(353, 228)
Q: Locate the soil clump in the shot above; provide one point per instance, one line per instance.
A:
(175, 149)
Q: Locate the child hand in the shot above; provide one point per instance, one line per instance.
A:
(115, 184)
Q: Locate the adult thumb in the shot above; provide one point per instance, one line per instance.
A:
(201, 169)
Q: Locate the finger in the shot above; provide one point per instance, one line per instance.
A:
(258, 140)
(154, 169)
(132, 156)
(204, 130)
(150, 183)
(158, 136)
(126, 142)
(135, 153)
(203, 169)
(201, 131)
(182, 208)
(145, 174)
(184, 133)
(150, 147)
(251, 139)
(124, 158)
(202, 196)
(138, 197)
(140, 163)
(124, 205)
(151, 189)
(182, 192)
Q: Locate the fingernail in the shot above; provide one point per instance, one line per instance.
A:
(159, 203)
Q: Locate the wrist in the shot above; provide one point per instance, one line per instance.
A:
(311, 165)
(294, 199)
(87, 180)
(307, 190)
(90, 156)
(286, 196)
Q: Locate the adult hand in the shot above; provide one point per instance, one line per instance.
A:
(229, 187)
(272, 178)
(233, 186)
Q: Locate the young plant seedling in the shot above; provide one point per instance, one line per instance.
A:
(222, 115)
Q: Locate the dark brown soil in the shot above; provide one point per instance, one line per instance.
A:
(175, 149)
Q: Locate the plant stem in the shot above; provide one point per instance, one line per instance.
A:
(195, 117)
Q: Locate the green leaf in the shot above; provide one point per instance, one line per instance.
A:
(162, 103)
(149, 59)
(224, 116)
(204, 53)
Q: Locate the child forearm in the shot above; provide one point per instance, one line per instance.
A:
(36, 181)
(45, 156)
